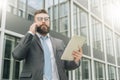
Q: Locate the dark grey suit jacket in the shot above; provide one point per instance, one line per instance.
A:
(30, 50)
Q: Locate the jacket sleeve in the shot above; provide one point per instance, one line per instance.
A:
(21, 49)
(71, 65)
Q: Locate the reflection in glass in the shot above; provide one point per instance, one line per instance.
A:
(119, 73)
(63, 18)
(117, 41)
(99, 71)
(32, 6)
(97, 34)
(75, 20)
(35, 4)
(6, 70)
(17, 68)
(22, 8)
(49, 4)
(109, 42)
(96, 7)
(0, 16)
(84, 71)
(11, 68)
(111, 73)
(12, 6)
(58, 16)
(8, 47)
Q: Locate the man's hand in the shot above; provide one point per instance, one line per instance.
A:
(77, 54)
(33, 28)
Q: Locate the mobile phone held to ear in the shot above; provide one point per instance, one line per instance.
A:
(37, 28)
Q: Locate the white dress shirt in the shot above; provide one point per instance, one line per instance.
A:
(55, 75)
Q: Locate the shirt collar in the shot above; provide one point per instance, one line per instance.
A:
(39, 35)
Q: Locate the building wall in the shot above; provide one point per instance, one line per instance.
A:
(89, 18)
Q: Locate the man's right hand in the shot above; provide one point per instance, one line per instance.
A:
(33, 28)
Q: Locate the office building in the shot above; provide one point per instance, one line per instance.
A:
(97, 20)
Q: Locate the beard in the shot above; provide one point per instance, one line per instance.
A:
(43, 29)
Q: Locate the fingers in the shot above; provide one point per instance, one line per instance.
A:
(33, 27)
(77, 54)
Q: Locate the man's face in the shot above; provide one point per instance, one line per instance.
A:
(43, 20)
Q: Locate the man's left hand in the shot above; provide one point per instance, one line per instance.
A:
(77, 54)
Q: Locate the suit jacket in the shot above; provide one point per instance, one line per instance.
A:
(30, 50)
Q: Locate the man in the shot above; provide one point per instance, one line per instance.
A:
(42, 53)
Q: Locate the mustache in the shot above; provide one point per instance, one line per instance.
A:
(42, 25)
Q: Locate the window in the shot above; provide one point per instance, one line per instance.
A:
(84, 71)
(0, 16)
(119, 73)
(111, 73)
(117, 40)
(97, 34)
(11, 68)
(99, 71)
(109, 42)
(75, 20)
(12, 6)
(22, 8)
(96, 7)
(30, 17)
(10, 9)
(20, 13)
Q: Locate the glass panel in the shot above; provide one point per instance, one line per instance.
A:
(11, 67)
(22, 8)
(84, 3)
(109, 42)
(84, 71)
(84, 31)
(117, 42)
(96, 7)
(0, 16)
(119, 73)
(77, 74)
(0, 11)
(12, 6)
(64, 18)
(97, 34)
(6, 69)
(34, 5)
(111, 73)
(99, 71)
(8, 48)
(64, 26)
(17, 70)
(75, 20)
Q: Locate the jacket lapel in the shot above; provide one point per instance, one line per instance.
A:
(53, 44)
(38, 41)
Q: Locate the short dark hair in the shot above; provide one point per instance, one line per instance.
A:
(40, 11)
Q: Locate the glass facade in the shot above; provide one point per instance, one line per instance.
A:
(93, 19)
(99, 71)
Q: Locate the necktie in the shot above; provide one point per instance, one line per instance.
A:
(47, 59)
